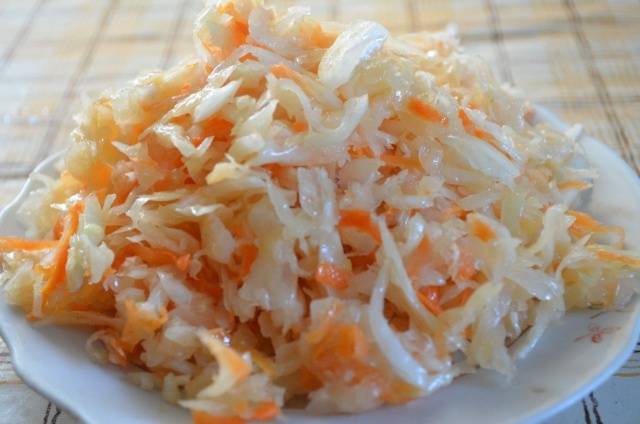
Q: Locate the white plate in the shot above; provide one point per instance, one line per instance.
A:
(574, 356)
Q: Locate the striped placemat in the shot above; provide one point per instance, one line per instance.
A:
(579, 58)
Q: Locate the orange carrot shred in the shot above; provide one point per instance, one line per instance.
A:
(343, 352)
(360, 219)
(472, 129)
(99, 175)
(482, 230)
(363, 261)
(281, 70)
(360, 152)
(279, 173)
(401, 161)
(299, 126)
(585, 224)
(454, 210)
(609, 256)
(573, 185)
(62, 250)
(317, 37)
(332, 276)
(219, 128)
(344, 341)
(426, 111)
(399, 392)
(266, 411)
(248, 254)
(308, 380)
(248, 56)
(429, 297)
(58, 228)
(183, 262)
(240, 31)
(151, 256)
(140, 324)
(200, 417)
(350, 342)
(11, 243)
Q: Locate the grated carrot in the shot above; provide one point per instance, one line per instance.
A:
(343, 349)
(429, 296)
(308, 380)
(454, 210)
(201, 417)
(573, 185)
(281, 70)
(280, 173)
(248, 253)
(264, 411)
(363, 261)
(612, 256)
(99, 176)
(426, 111)
(360, 219)
(217, 127)
(317, 37)
(398, 392)
(267, 410)
(472, 129)
(227, 8)
(585, 224)
(59, 273)
(58, 228)
(360, 152)
(299, 126)
(10, 243)
(332, 276)
(402, 162)
(206, 282)
(140, 324)
(152, 256)
(481, 230)
(342, 357)
(183, 262)
(240, 31)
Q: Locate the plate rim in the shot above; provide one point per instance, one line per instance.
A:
(544, 115)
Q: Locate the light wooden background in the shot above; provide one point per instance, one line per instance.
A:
(581, 58)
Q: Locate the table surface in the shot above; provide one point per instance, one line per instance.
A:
(580, 58)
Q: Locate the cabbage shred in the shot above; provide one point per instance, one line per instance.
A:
(312, 210)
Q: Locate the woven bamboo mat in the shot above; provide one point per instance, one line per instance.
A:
(579, 58)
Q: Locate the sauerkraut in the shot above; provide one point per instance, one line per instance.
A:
(314, 211)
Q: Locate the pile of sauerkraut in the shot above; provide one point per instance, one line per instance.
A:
(312, 211)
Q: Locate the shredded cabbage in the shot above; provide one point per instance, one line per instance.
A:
(314, 211)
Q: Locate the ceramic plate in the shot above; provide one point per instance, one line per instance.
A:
(574, 356)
